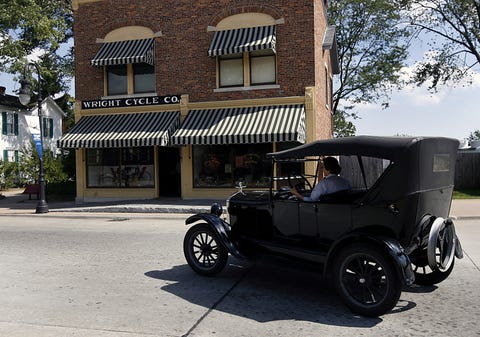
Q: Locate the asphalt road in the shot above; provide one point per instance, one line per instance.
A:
(125, 275)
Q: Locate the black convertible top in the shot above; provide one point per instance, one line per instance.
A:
(417, 163)
(372, 146)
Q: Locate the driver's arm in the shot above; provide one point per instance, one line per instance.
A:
(294, 191)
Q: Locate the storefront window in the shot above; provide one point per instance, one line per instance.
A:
(123, 168)
(227, 165)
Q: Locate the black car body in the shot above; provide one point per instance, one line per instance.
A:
(373, 239)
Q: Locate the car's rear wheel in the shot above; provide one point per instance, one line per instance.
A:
(203, 250)
(366, 280)
(425, 275)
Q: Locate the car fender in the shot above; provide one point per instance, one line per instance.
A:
(221, 228)
(389, 245)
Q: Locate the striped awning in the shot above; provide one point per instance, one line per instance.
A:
(124, 52)
(264, 124)
(243, 40)
(122, 130)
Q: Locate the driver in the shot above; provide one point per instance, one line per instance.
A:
(330, 183)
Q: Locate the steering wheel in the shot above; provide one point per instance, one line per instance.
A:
(284, 191)
(300, 185)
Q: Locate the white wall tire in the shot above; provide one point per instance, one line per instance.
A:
(441, 245)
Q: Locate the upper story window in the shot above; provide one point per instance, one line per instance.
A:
(117, 80)
(47, 124)
(128, 63)
(246, 55)
(230, 69)
(9, 123)
(263, 68)
(143, 78)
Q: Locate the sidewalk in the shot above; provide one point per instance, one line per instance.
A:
(17, 203)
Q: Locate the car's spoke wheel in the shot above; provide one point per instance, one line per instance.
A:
(441, 245)
(425, 275)
(203, 251)
(366, 280)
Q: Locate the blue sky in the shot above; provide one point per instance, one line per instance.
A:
(452, 112)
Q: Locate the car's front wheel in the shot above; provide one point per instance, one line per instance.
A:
(366, 280)
(203, 250)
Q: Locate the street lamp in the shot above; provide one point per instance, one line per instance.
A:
(24, 97)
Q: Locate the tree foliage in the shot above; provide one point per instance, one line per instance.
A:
(475, 135)
(39, 27)
(29, 24)
(343, 127)
(372, 48)
(29, 166)
(455, 46)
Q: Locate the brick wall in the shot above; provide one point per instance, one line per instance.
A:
(182, 63)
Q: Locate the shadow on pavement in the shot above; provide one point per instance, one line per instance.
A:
(266, 292)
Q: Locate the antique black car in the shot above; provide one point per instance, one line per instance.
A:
(390, 230)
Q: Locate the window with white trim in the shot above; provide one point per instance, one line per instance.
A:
(47, 124)
(10, 156)
(9, 123)
(247, 69)
(130, 79)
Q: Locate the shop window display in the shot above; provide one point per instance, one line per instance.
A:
(122, 168)
(227, 165)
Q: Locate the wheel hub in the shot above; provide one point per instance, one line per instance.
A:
(205, 249)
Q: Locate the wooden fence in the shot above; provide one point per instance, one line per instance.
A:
(467, 170)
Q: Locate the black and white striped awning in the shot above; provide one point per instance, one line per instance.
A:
(122, 130)
(243, 40)
(124, 52)
(264, 124)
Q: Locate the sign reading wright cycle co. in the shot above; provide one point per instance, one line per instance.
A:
(130, 102)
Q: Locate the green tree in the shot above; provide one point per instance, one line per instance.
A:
(9, 174)
(29, 166)
(475, 135)
(26, 25)
(372, 48)
(342, 126)
(454, 30)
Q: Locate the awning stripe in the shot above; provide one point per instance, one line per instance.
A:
(124, 52)
(122, 130)
(243, 40)
(249, 125)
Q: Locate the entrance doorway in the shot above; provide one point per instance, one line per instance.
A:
(169, 172)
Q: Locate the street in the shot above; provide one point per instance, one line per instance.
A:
(125, 275)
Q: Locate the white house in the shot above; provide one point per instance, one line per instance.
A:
(19, 122)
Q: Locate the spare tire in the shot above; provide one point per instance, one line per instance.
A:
(441, 245)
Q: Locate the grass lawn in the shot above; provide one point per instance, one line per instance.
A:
(466, 194)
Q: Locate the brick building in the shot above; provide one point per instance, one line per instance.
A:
(182, 98)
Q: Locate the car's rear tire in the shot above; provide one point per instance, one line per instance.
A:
(366, 280)
(203, 250)
(424, 275)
